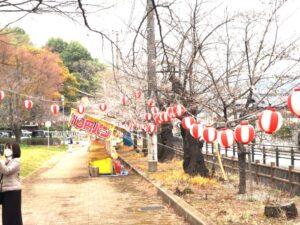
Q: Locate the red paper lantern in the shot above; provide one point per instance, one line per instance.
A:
(154, 110)
(148, 116)
(225, 137)
(164, 117)
(209, 134)
(178, 110)
(80, 109)
(270, 120)
(170, 112)
(152, 128)
(137, 94)
(28, 104)
(187, 122)
(124, 100)
(157, 119)
(294, 102)
(151, 103)
(103, 106)
(196, 130)
(54, 108)
(244, 133)
(2, 95)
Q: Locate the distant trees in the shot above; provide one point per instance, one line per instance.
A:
(27, 71)
(79, 62)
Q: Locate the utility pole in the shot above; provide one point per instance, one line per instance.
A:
(152, 82)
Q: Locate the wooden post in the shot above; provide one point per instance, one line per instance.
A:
(272, 174)
(250, 172)
(232, 164)
(256, 171)
(291, 179)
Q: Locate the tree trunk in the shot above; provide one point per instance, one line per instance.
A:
(135, 147)
(166, 138)
(17, 131)
(145, 144)
(242, 168)
(193, 160)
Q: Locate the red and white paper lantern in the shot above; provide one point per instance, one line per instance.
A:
(244, 133)
(152, 128)
(196, 130)
(124, 100)
(54, 108)
(154, 110)
(2, 95)
(164, 117)
(170, 111)
(157, 119)
(148, 116)
(209, 134)
(28, 104)
(294, 102)
(187, 122)
(225, 137)
(103, 106)
(137, 94)
(178, 110)
(80, 109)
(270, 120)
(151, 103)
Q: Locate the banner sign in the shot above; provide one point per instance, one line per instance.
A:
(91, 125)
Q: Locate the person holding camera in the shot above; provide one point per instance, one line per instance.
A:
(11, 185)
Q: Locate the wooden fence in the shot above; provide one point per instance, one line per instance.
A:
(270, 175)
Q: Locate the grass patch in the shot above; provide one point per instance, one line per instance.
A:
(34, 157)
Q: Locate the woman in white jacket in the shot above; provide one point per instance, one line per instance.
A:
(11, 185)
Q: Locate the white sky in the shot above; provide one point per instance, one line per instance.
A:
(41, 27)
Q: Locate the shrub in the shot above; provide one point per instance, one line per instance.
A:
(6, 140)
(41, 141)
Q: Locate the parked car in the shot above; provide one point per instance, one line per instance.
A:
(7, 134)
(40, 134)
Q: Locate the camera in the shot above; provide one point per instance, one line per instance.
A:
(2, 147)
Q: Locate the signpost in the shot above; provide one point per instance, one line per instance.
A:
(48, 125)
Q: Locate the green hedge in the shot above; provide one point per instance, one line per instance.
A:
(7, 140)
(41, 141)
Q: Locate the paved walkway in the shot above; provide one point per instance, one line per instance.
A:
(65, 194)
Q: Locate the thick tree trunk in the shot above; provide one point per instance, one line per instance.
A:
(193, 160)
(135, 146)
(166, 138)
(17, 131)
(242, 168)
(145, 144)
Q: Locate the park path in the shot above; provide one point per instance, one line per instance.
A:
(65, 194)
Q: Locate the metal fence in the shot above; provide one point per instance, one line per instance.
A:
(282, 156)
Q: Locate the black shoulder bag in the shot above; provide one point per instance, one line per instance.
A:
(1, 193)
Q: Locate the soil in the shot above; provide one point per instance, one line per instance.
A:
(216, 198)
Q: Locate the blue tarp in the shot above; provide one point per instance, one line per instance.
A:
(127, 139)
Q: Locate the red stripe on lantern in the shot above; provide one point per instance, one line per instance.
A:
(187, 122)
(28, 104)
(225, 137)
(151, 103)
(148, 116)
(54, 108)
(80, 109)
(209, 134)
(244, 133)
(102, 106)
(124, 100)
(294, 102)
(2, 95)
(270, 121)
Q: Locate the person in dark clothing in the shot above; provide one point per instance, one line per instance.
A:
(11, 185)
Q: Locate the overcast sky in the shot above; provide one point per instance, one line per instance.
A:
(41, 27)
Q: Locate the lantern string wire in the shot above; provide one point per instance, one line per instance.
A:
(252, 116)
